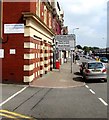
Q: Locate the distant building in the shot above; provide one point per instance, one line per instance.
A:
(58, 15)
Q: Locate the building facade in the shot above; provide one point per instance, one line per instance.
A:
(27, 40)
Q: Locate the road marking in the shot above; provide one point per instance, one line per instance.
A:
(98, 98)
(8, 116)
(13, 96)
(103, 101)
(87, 86)
(73, 86)
(14, 115)
(92, 91)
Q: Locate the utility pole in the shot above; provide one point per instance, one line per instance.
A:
(71, 59)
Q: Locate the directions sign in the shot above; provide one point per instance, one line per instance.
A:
(65, 42)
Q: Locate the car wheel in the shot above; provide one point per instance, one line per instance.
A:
(81, 72)
(105, 80)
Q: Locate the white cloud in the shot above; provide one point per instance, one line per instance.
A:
(90, 17)
(82, 6)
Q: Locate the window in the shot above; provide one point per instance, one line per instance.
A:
(38, 8)
(45, 15)
(95, 65)
(50, 20)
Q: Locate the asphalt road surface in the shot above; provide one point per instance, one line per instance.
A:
(89, 101)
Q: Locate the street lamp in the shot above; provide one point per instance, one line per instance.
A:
(75, 36)
(75, 29)
(74, 46)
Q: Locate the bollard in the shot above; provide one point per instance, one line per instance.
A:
(57, 65)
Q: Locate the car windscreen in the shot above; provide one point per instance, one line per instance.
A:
(95, 65)
(104, 58)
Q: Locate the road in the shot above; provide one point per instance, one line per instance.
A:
(77, 102)
(88, 101)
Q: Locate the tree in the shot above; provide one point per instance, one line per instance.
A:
(79, 46)
(95, 48)
(87, 49)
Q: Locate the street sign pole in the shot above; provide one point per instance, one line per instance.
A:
(71, 60)
(66, 42)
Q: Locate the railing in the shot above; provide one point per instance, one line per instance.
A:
(102, 52)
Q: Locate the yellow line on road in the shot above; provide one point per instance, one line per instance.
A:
(8, 116)
(15, 114)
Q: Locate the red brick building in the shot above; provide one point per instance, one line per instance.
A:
(27, 33)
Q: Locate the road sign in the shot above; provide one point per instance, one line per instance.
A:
(65, 42)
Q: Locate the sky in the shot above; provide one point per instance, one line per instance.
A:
(90, 16)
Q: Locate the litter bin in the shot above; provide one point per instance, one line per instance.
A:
(57, 65)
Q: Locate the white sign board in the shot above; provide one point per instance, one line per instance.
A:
(65, 42)
(63, 45)
(12, 51)
(13, 28)
(1, 53)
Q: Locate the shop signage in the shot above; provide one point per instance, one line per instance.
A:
(13, 28)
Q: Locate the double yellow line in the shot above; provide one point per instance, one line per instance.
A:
(13, 115)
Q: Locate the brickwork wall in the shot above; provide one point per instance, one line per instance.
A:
(36, 59)
(12, 64)
(31, 59)
(47, 57)
(41, 59)
(12, 12)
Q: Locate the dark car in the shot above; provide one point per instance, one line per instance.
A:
(104, 59)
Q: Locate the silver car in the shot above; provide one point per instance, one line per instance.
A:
(95, 70)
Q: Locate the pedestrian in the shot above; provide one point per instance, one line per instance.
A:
(76, 58)
(97, 59)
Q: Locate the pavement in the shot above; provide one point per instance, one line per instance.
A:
(62, 78)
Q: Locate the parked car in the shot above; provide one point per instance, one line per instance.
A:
(104, 59)
(86, 56)
(95, 70)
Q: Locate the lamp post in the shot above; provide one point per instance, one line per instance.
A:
(75, 29)
(74, 46)
(75, 35)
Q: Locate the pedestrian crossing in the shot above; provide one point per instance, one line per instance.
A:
(5, 114)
